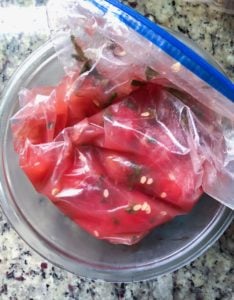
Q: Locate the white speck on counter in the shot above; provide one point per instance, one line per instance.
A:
(230, 59)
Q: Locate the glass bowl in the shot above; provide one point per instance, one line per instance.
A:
(59, 240)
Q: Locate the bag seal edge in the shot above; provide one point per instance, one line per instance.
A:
(172, 46)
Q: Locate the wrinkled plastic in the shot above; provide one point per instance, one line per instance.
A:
(118, 51)
(129, 138)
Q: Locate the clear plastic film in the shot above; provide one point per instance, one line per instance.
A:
(130, 137)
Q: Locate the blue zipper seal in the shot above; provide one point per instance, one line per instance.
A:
(172, 46)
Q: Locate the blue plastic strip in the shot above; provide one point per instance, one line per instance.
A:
(172, 46)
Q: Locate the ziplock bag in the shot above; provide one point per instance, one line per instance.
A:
(135, 132)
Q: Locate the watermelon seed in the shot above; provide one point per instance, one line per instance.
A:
(148, 210)
(137, 207)
(145, 114)
(150, 181)
(55, 191)
(163, 195)
(172, 177)
(118, 51)
(106, 193)
(163, 213)
(144, 206)
(143, 180)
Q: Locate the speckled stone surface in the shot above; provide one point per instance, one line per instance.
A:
(23, 273)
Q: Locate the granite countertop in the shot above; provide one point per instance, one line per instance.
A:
(26, 275)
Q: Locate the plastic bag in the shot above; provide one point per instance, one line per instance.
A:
(134, 133)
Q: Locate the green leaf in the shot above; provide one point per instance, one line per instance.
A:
(50, 125)
(130, 210)
(80, 56)
(134, 177)
(111, 99)
(151, 140)
(130, 104)
(177, 93)
(184, 119)
(137, 83)
(76, 57)
(86, 67)
(150, 73)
